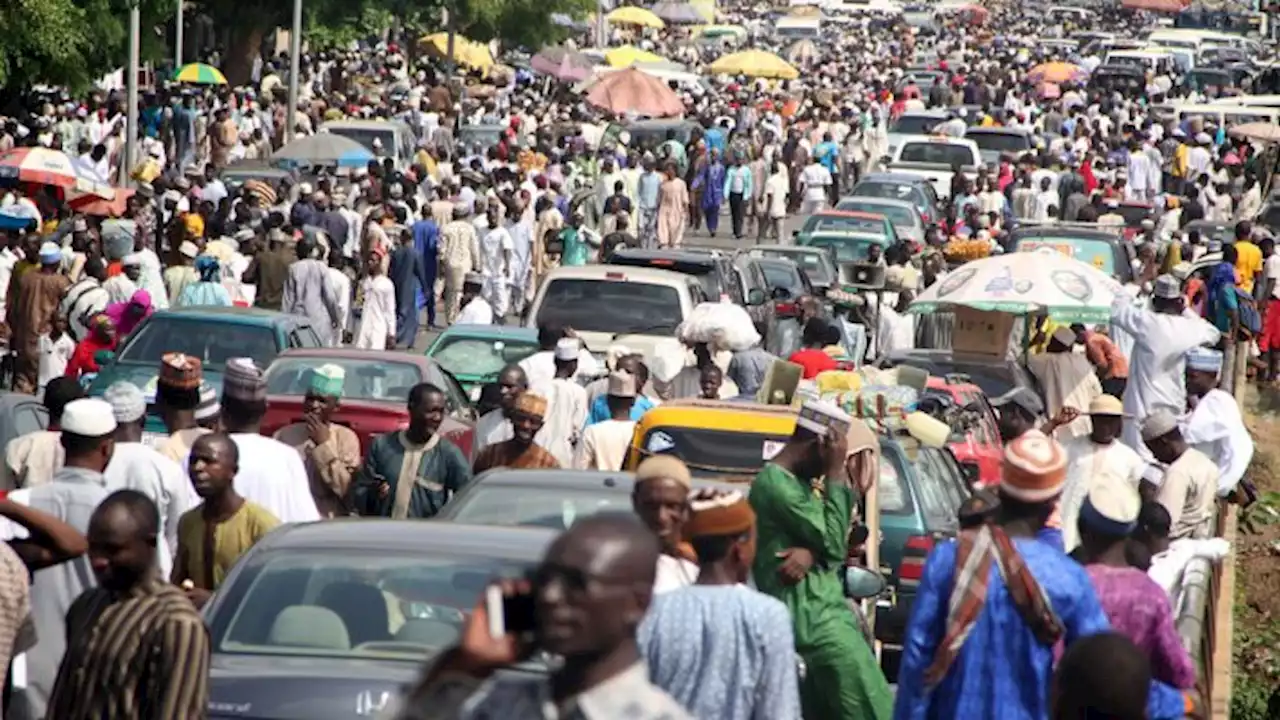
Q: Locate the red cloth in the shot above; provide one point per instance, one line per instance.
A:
(1270, 337)
(82, 357)
(813, 361)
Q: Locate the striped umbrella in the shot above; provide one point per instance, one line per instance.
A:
(200, 74)
(43, 166)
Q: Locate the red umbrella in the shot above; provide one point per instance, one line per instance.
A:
(91, 204)
(562, 64)
(634, 91)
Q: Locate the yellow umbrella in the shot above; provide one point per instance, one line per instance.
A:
(200, 74)
(635, 16)
(629, 55)
(465, 52)
(806, 11)
(754, 63)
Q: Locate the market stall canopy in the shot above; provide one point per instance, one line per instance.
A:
(200, 74)
(635, 16)
(806, 11)
(1057, 73)
(468, 53)
(629, 55)
(1264, 132)
(631, 91)
(720, 31)
(678, 13)
(1021, 283)
(44, 166)
(754, 63)
(562, 63)
(325, 148)
(90, 204)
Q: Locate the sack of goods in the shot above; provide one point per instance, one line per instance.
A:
(961, 250)
(117, 238)
(723, 326)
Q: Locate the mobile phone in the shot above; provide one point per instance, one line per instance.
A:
(512, 614)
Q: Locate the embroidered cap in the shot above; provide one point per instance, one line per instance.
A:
(715, 513)
(818, 416)
(1167, 287)
(1034, 468)
(88, 417)
(1111, 508)
(567, 349)
(50, 253)
(327, 380)
(243, 381)
(126, 400)
(664, 467)
(1158, 424)
(1204, 360)
(209, 406)
(530, 404)
(181, 371)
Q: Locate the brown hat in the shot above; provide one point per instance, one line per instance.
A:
(666, 467)
(180, 371)
(531, 404)
(719, 513)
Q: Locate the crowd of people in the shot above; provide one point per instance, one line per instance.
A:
(1055, 599)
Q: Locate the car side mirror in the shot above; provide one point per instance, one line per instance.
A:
(104, 357)
(861, 583)
(756, 296)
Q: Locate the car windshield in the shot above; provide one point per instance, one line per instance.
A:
(1133, 214)
(939, 153)
(555, 508)
(844, 224)
(1097, 253)
(847, 249)
(783, 275)
(481, 357)
(612, 306)
(891, 190)
(903, 217)
(366, 136)
(995, 378)
(1000, 142)
(937, 491)
(914, 124)
(811, 262)
(212, 341)
(366, 378)
(352, 604)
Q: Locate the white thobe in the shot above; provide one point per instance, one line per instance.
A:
(673, 573)
(134, 466)
(1088, 464)
(151, 280)
(272, 475)
(1217, 429)
(540, 367)
(1157, 362)
(476, 312)
(566, 416)
(492, 427)
(496, 248)
(120, 288)
(378, 318)
(342, 290)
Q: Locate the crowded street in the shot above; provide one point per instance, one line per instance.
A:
(840, 361)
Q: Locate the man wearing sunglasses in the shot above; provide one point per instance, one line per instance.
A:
(586, 601)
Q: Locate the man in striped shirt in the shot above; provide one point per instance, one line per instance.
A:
(136, 647)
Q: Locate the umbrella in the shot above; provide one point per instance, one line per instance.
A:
(632, 91)
(200, 74)
(629, 55)
(635, 16)
(678, 13)
(90, 204)
(468, 53)
(52, 167)
(1025, 282)
(1057, 72)
(323, 149)
(754, 63)
(1260, 131)
(803, 51)
(562, 63)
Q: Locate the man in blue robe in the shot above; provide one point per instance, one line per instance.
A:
(409, 278)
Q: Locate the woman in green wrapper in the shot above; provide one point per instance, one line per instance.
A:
(803, 503)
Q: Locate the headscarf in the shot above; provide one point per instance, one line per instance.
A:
(1223, 274)
(99, 324)
(208, 268)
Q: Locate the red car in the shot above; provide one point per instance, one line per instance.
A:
(979, 449)
(374, 396)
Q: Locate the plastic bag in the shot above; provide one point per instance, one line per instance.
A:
(118, 237)
(721, 325)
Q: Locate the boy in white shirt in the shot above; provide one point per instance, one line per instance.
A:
(55, 351)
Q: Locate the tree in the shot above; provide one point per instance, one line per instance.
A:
(42, 41)
(518, 23)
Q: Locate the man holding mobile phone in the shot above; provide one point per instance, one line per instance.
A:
(589, 596)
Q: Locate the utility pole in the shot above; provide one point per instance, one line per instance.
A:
(131, 126)
(177, 38)
(295, 53)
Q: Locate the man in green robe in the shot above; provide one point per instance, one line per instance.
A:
(411, 473)
(803, 502)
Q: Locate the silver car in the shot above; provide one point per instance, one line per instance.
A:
(903, 215)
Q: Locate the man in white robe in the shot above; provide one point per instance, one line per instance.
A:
(1096, 458)
(1214, 425)
(1067, 379)
(493, 426)
(566, 404)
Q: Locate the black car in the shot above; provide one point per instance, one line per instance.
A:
(332, 620)
(787, 283)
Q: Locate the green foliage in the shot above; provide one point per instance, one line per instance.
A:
(42, 41)
(518, 23)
